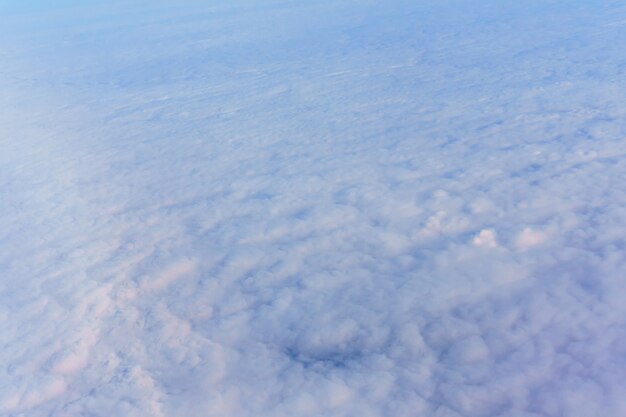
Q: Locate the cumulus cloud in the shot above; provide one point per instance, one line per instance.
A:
(528, 238)
(486, 238)
(327, 208)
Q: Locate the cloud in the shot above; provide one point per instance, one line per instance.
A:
(486, 238)
(312, 209)
(529, 238)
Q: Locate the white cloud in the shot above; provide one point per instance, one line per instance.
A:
(486, 238)
(529, 238)
(331, 208)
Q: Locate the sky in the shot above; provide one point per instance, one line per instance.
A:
(322, 208)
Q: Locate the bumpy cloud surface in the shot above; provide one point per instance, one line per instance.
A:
(313, 208)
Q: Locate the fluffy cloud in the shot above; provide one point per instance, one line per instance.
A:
(330, 208)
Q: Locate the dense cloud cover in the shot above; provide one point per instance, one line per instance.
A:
(320, 208)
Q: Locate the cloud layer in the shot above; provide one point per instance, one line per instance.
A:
(330, 209)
